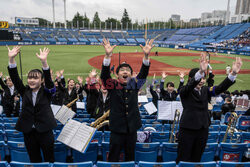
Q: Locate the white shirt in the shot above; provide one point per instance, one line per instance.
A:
(34, 95)
(11, 90)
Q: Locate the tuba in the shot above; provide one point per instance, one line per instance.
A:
(231, 127)
(100, 122)
(175, 126)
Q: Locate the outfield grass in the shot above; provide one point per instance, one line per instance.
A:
(74, 60)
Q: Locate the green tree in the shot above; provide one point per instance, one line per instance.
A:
(125, 19)
(113, 21)
(86, 20)
(96, 20)
(77, 20)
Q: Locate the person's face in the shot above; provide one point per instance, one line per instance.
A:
(9, 82)
(56, 84)
(35, 82)
(170, 88)
(77, 86)
(124, 74)
(71, 84)
(158, 90)
(202, 82)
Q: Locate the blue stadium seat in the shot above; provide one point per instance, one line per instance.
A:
(215, 122)
(106, 136)
(79, 164)
(10, 119)
(3, 164)
(235, 139)
(213, 137)
(209, 152)
(244, 123)
(160, 137)
(214, 128)
(223, 128)
(245, 137)
(18, 151)
(234, 164)
(158, 127)
(97, 137)
(166, 127)
(1, 135)
(89, 155)
(196, 164)
(25, 164)
(146, 151)
(112, 164)
(157, 164)
(217, 107)
(10, 126)
(232, 152)
(13, 135)
(169, 151)
(2, 151)
(148, 121)
(60, 152)
(227, 115)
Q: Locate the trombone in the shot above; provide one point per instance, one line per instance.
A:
(231, 127)
(174, 127)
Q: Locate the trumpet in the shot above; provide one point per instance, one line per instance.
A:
(174, 128)
(100, 122)
(231, 127)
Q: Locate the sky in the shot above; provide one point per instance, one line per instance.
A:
(155, 10)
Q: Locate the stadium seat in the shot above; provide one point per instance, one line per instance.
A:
(214, 128)
(196, 164)
(26, 164)
(209, 152)
(223, 128)
(227, 115)
(158, 127)
(213, 137)
(79, 164)
(235, 139)
(112, 164)
(148, 121)
(169, 151)
(2, 151)
(106, 136)
(160, 137)
(1, 135)
(216, 108)
(244, 123)
(234, 164)
(3, 164)
(89, 155)
(245, 137)
(146, 151)
(13, 135)
(18, 151)
(232, 152)
(97, 137)
(60, 152)
(10, 119)
(157, 164)
(215, 122)
(10, 126)
(105, 152)
(166, 127)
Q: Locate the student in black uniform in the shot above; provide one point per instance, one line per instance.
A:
(170, 94)
(10, 100)
(156, 94)
(36, 120)
(124, 114)
(195, 120)
(57, 98)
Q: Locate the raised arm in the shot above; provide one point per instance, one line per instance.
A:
(105, 73)
(181, 75)
(12, 68)
(49, 84)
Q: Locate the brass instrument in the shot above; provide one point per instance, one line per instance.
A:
(71, 103)
(231, 127)
(100, 122)
(174, 127)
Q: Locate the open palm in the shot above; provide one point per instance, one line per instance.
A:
(14, 51)
(108, 48)
(43, 54)
(148, 46)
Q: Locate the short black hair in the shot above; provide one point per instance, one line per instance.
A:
(192, 73)
(124, 65)
(34, 73)
(170, 84)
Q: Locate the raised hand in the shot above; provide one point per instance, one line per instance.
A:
(1, 74)
(61, 72)
(182, 75)
(87, 80)
(80, 79)
(236, 65)
(12, 53)
(93, 73)
(147, 48)
(203, 63)
(164, 75)
(43, 56)
(58, 75)
(108, 48)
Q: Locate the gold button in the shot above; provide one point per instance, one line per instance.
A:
(126, 90)
(126, 113)
(126, 98)
(127, 106)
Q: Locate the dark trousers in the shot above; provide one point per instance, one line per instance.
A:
(119, 141)
(35, 142)
(191, 144)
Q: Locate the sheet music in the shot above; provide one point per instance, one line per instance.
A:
(165, 110)
(1, 109)
(55, 108)
(82, 137)
(150, 108)
(64, 114)
(142, 99)
(68, 132)
(177, 105)
(80, 105)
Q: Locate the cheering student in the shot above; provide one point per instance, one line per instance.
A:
(10, 100)
(195, 120)
(156, 94)
(124, 117)
(36, 120)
